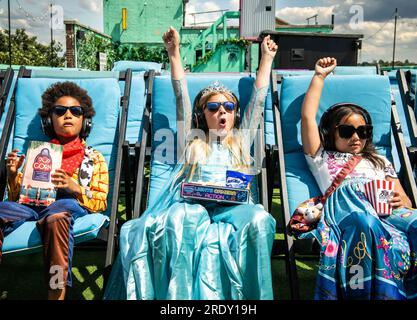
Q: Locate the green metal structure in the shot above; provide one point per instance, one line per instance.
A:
(215, 48)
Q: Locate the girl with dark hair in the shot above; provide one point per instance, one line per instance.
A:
(186, 249)
(363, 255)
(82, 183)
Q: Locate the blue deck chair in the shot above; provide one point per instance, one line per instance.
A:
(411, 78)
(137, 123)
(297, 183)
(141, 71)
(14, 69)
(143, 149)
(407, 85)
(164, 125)
(270, 139)
(137, 134)
(356, 70)
(403, 115)
(293, 72)
(107, 136)
(406, 81)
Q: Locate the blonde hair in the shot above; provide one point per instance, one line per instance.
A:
(197, 150)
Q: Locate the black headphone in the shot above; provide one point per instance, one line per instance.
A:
(325, 121)
(48, 128)
(199, 119)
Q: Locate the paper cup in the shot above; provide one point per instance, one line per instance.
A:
(379, 192)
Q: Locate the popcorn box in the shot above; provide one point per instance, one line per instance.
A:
(42, 159)
(214, 193)
(379, 192)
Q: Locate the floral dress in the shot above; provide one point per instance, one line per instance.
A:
(363, 255)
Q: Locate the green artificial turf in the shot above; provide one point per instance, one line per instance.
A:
(21, 277)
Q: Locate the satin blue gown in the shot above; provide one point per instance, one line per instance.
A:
(184, 249)
(364, 256)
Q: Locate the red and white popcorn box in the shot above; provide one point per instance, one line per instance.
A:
(379, 192)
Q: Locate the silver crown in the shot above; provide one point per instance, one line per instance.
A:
(215, 87)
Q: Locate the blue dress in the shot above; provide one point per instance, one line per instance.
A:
(184, 249)
(363, 255)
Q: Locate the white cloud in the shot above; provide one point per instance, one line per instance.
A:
(207, 18)
(298, 15)
(378, 36)
(234, 5)
(378, 39)
(92, 5)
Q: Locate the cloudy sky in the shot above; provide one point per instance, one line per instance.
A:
(372, 18)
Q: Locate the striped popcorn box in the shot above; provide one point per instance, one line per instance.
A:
(379, 192)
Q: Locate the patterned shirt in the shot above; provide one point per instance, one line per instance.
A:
(325, 166)
(95, 200)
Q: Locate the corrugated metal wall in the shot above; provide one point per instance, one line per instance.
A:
(256, 16)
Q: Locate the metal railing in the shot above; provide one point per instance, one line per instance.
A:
(211, 31)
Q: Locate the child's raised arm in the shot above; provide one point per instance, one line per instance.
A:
(268, 49)
(309, 128)
(253, 111)
(172, 44)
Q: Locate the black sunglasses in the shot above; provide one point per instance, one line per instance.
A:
(214, 106)
(346, 131)
(76, 111)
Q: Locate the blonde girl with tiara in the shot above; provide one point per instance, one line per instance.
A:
(187, 249)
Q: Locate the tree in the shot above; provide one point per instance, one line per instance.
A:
(89, 47)
(140, 52)
(28, 51)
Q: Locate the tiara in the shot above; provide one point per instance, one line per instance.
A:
(216, 87)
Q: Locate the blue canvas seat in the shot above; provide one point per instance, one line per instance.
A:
(293, 72)
(164, 125)
(356, 70)
(401, 105)
(402, 111)
(297, 182)
(407, 85)
(136, 106)
(107, 136)
(140, 82)
(412, 81)
(137, 66)
(406, 81)
(138, 127)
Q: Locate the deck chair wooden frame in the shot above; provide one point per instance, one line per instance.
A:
(6, 79)
(135, 156)
(143, 151)
(106, 234)
(405, 91)
(406, 177)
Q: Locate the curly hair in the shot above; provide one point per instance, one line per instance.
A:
(66, 89)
